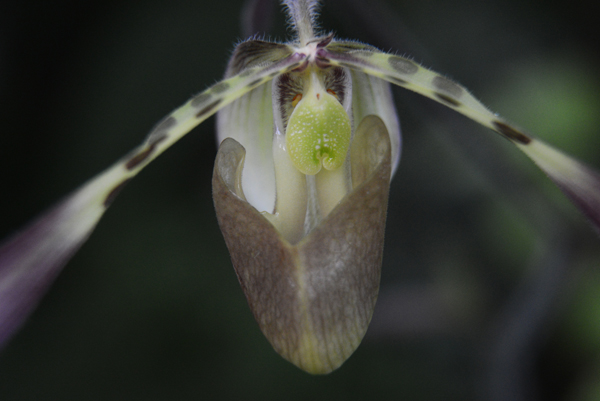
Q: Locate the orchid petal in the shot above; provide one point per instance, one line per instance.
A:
(30, 261)
(579, 182)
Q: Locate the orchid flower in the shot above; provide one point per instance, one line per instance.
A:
(309, 140)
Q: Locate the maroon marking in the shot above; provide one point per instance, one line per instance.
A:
(208, 108)
(448, 100)
(143, 155)
(115, 191)
(511, 133)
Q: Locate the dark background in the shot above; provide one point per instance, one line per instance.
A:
(490, 285)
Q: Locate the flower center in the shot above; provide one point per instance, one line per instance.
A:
(318, 132)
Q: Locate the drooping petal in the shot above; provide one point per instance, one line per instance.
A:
(579, 182)
(404, 72)
(31, 259)
(313, 300)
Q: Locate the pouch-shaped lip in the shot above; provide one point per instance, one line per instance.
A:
(312, 300)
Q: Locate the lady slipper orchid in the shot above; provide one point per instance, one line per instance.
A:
(309, 139)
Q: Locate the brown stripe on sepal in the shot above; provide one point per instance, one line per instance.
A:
(313, 300)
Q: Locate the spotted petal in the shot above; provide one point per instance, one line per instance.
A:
(30, 261)
(579, 182)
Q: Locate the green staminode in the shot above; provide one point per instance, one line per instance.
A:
(318, 133)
